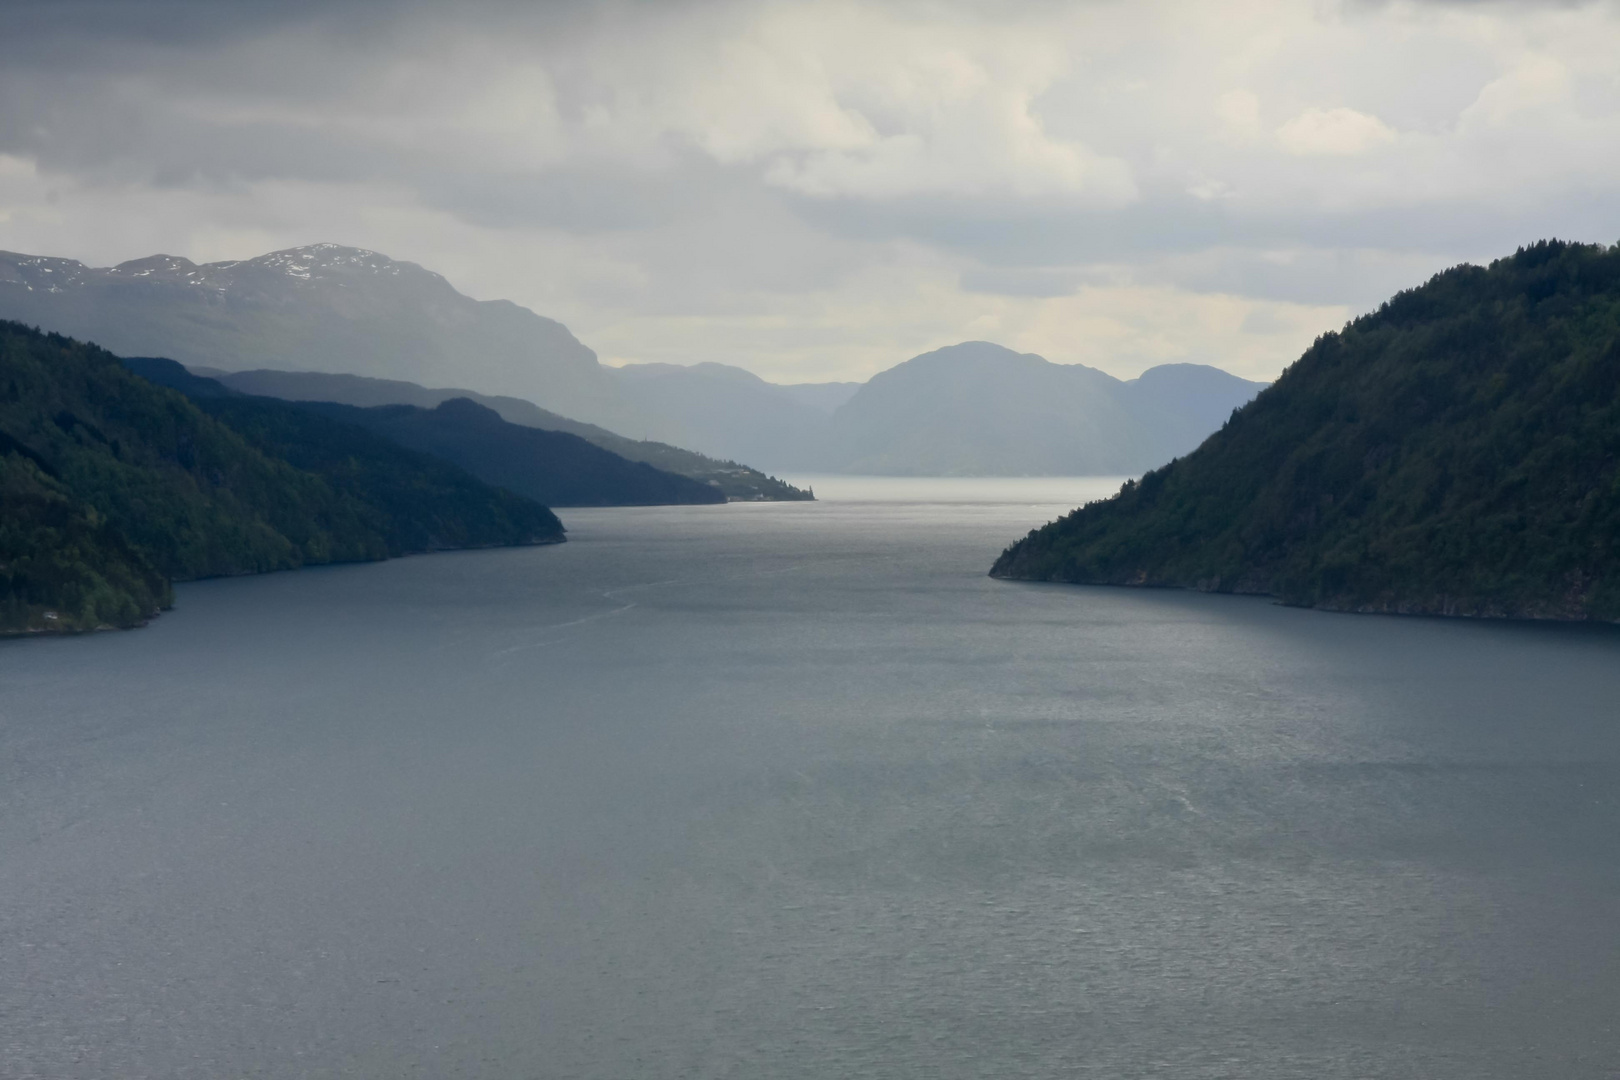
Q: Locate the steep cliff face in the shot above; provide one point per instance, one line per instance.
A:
(1456, 452)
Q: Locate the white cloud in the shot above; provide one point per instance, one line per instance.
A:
(1536, 89)
(843, 100)
(1340, 132)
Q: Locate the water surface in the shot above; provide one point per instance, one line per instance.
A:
(796, 791)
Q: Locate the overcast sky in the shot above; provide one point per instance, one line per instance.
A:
(819, 190)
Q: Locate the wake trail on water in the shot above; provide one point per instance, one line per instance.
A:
(609, 595)
(612, 595)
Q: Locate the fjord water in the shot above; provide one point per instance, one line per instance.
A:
(794, 790)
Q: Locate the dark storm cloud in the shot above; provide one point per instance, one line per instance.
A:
(174, 92)
(67, 28)
(80, 33)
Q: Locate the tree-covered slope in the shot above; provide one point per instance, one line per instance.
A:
(734, 480)
(418, 501)
(1456, 452)
(110, 479)
(62, 567)
(374, 449)
(183, 489)
(553, 466)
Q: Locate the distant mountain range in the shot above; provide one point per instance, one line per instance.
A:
(1457, 452)
(724, 410)
(317, 308)
(978, 409)
(974, 409)
(971, 409)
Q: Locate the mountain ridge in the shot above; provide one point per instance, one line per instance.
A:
(978, 408)
(330, 309)
(321, 306)
(973, 409)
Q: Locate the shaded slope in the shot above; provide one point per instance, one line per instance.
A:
(183, 489)
(1456, 452)
(734, 480)
(551, 466)
(417, 501)
(62, 567)
(114, 485)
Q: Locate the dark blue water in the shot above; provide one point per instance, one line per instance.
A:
(795, 791)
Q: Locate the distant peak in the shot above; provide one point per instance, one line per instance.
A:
(1188, 373)
(17, 258)
(154, 264)
(333, 253)
(976, 352)
(465, 409)
(311, 260)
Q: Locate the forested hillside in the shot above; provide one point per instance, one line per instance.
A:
(554, 466)
(422, 501)
(735, 480)
(114, 486)
(1455, 452)
(62, 566)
